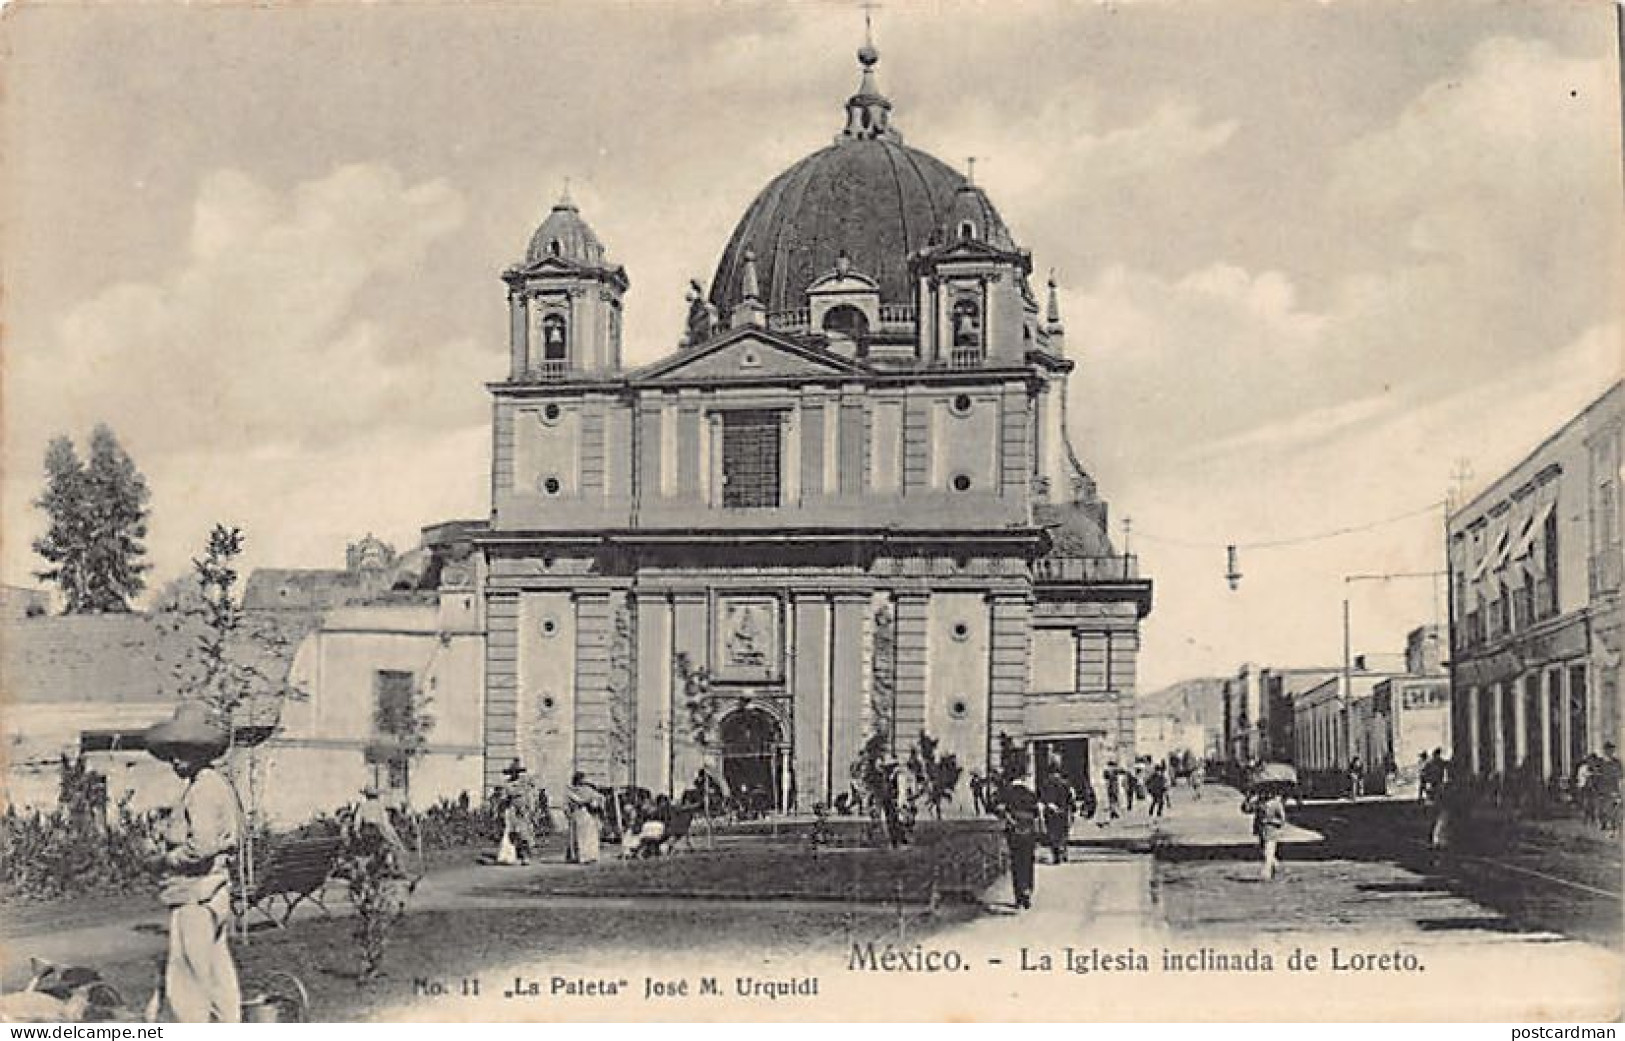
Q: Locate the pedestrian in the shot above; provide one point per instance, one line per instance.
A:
(1055, 795)
(1129, 785)
(1087, 801)
(1356, 778)
(976, 784)
(1606, 779)
(1430, 776)
(1113, 796)
(1448, 793)
(1585, 791)
(1268, 810)
(1157, 786)
(200, 835)
(520, 801)
(1198, 777)
(583, 802)
(1019, 811)
(374, 830)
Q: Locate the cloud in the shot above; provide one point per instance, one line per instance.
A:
(241, 377)
(267, 317)
(1083, 154)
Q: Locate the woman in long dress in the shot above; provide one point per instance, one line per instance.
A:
(582, 801)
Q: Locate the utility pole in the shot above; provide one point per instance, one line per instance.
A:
(1348, 655)
(1348, 679)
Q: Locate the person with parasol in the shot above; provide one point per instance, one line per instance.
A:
(1266, 802)
(199, 835)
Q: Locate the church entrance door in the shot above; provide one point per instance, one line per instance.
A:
(753, 759)
(1069, 755)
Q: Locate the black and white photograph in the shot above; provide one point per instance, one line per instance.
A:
(920, 510)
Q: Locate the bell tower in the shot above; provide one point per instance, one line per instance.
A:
(972, 286)
(564, 302)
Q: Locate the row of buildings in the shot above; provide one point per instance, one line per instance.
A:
(1536, 563)
(847, 503)
(1385, 710)
(1530, 683)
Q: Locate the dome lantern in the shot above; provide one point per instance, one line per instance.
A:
(868, 112)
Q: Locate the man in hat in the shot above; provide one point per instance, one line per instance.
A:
(200, 978)
(373, 825)
(1019, 809)
(519, 805)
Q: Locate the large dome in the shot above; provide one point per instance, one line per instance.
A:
(868, 195)
(876, 199)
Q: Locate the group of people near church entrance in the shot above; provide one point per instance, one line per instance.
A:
(643, 823)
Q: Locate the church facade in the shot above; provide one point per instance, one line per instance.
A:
(845, 504)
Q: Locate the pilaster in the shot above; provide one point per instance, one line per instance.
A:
(851, 657)
(654, 690)
(501, 685)
(913, 667)
(690, 637)
(810, 686)
(593, 719)
(1007, 682)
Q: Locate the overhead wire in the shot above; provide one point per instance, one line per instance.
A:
(1296, 540)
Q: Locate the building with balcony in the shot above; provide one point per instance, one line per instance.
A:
(845, 504)
(1535, 563)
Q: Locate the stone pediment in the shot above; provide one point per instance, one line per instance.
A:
(972, 250)
(848, 282)
(753, 354)
(562, 267)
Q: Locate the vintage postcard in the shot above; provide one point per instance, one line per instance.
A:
(824, 511)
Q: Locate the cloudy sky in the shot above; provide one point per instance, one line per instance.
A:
(1311, 255)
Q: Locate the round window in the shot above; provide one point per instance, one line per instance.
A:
(548, 703)
(550, 626)
(551, 485)
(961, 404)
(959, 709)
(551, 412)
(961, 631)
(961, 483)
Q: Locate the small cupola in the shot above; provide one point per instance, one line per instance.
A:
(564, 301)
(565, 235)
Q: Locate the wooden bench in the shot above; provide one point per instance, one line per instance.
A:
(297, 870)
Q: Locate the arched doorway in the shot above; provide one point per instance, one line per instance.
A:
(753, 759)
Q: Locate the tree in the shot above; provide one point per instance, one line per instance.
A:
(622, 734)
(623, 711)
(702, 710)
(883, 674)
(231, 665)
(97, 514)
(62, 545)
(935, 776)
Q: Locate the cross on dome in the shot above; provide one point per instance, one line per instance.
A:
(868, 112)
